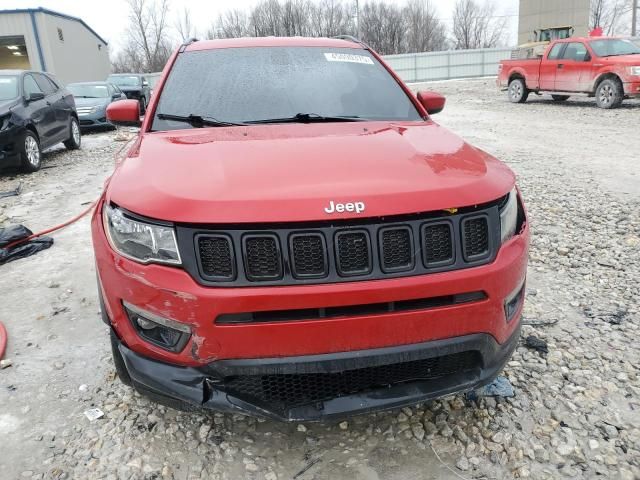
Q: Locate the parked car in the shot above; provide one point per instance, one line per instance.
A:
(36, 112)
(134, 86)
(604, 67)
(153, 78)
(92, 99)
(306, 243)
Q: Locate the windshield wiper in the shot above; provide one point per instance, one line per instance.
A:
(197, 121)
(308, 118)
(621, 54)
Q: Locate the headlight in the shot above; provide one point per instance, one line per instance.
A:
(509, 217)
(140, 241)
(4, 122)
(635, 71)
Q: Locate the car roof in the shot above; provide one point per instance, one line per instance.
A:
(588, 39)
(273, 42)
(88, 83)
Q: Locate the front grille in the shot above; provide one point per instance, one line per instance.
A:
(85, 110)
(262, 257)
(216, 257)
(353, 252)
(309, 255)
(282, 391)
(340, 251)
(396, 249)
(438, 242)
(475, 237)
(293, 315)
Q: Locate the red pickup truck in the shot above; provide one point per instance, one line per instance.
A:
(607, 68)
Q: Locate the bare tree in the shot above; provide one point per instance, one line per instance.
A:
(425, 31)
(266, 18)
(231, 24)
(383, 27)
(389, 27)
(330, 18)
(184, 26)
(476, 25)
(296, 18)
(608, 14)
(147, 46)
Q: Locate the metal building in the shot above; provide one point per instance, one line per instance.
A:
(41, 39)
(541, 14)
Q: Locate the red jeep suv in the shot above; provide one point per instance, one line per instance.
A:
(292, 236)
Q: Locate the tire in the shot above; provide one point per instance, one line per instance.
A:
(609, 93)
(30, 153)
(518, 92)
(76, 136)
(560, 98)
(118, 361)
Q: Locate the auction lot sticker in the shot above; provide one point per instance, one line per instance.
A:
(348, 57)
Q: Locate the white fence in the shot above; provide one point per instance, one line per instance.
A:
(421, 67)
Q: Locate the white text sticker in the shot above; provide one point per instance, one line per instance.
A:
(348, 57)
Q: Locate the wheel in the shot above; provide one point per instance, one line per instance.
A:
(518, 91)
(30, 153)
(609, 93)
(560, 98)
(118, 361)
(75, 139)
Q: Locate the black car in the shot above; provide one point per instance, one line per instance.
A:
(36, 112)
(134, 85)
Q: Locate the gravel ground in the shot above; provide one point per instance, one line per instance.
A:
(576, 411)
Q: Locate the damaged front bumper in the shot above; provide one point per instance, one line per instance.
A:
(328, 386)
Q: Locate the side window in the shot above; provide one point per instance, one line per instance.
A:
(575, 51)
(30, 86)
(555, 51)
(45, 84)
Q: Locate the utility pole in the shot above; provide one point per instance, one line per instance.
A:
(358, 18)
(634, 18)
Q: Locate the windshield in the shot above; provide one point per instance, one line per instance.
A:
(252, 84)
(8, 87)
(125, 81)
(88, 91)
(614, 47)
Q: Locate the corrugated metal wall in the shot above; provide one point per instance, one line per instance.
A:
(420, 67)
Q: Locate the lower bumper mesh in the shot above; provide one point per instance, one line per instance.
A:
(283, 391)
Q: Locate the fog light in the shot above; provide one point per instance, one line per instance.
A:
(513, 302)
(159, 331)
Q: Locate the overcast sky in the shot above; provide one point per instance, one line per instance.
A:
(109, 17)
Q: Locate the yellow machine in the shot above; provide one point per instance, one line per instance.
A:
(541, 39)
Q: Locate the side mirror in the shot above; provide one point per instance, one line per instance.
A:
(35, 96)
(431, 101)
(145, 84)
(116, 96)
(124, 112)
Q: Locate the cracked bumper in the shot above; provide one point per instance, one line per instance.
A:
(208, 388)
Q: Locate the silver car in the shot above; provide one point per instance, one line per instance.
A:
(92, 99)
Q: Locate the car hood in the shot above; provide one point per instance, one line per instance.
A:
(275, 173)
(91, 102)
(131, 89)
(623, 59)
(6, 105)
